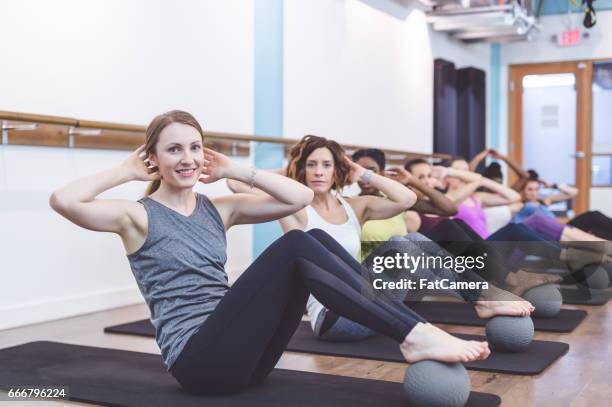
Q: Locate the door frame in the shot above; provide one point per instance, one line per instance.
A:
(583, 71)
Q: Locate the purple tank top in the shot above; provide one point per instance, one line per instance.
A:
(474, 216)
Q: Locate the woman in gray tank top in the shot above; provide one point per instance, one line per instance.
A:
(217, 339)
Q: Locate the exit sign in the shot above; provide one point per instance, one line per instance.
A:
(569, 38)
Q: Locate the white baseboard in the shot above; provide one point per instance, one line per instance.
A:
(56, 308)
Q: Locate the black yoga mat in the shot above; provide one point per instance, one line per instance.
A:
(534, 360)
(538, 356)
(585, 296)
(140, 328)
(445, 312)
(120, 378)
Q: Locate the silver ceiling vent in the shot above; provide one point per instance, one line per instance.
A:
(484, 20)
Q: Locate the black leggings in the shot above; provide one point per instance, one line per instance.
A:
(241, 341)
(458, 238)
(594, 222)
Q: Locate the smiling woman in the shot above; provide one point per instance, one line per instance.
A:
(176, 245)
(168, 135)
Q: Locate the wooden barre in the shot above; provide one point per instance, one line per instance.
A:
(213, 135)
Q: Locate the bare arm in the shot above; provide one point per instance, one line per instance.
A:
(514, 166)
(502, 195)
(472, 183)
(397, 198)
(566, 192)
(478, 159)
(77, 201)
(280, 197)
(242, 187)
(436, 202)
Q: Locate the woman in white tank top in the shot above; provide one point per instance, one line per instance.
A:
(322, 165)
(348, 234)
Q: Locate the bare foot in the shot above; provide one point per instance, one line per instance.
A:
(489, 309)
(521, 280)
(495, 301)
(426, 341)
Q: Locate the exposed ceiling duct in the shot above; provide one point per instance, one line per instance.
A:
(484, 20)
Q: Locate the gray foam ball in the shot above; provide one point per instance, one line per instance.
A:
(597, 277)
(546, 299)
(435, 384)
(509, 334)
(608, 268)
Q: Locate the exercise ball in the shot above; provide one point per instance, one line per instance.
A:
(435, 384)
(509, 334)
(596, 277)
(546, 299)
(608, 268)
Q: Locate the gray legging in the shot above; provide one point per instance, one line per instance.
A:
(345, 330)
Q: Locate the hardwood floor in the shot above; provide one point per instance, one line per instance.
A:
(583, 377)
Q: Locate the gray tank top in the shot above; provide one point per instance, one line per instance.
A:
(180, 271)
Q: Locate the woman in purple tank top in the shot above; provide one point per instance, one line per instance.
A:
(462, 189)
(461, 185)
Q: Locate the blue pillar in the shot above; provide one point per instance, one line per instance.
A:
(268, 103)
(494, 73)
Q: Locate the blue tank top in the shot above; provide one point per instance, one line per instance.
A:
(180, 271)
(532, 208)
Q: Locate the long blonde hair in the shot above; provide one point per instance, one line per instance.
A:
(155, 128)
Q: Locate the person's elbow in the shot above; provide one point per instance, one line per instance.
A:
(408, 200)
(303, 198)
(514, 196)
(57, 202)
(449, 209)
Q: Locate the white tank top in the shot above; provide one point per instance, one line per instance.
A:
(497, 217)
(347, 234)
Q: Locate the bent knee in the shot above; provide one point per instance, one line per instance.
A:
(318, 233)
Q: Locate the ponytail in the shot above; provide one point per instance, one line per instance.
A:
(153, 186)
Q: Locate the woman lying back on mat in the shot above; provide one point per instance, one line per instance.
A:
(590, 226)
(215, 339)
(431, 202)
(449, 231)
(533, 236)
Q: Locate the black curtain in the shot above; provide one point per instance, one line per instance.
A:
(471, 112)
(459, 110)
(445, 107)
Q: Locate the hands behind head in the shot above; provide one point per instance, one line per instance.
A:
(439, 172)
(139, 166)
(494, 153)
(545, 183)
(356, 170)
(216, 166)
(399, 174)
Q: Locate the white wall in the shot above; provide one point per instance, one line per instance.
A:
(108, 60)
(353, 70)
(52, 268)
(362, 71)
(599, 45)
(601, 200)
(127, 61)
